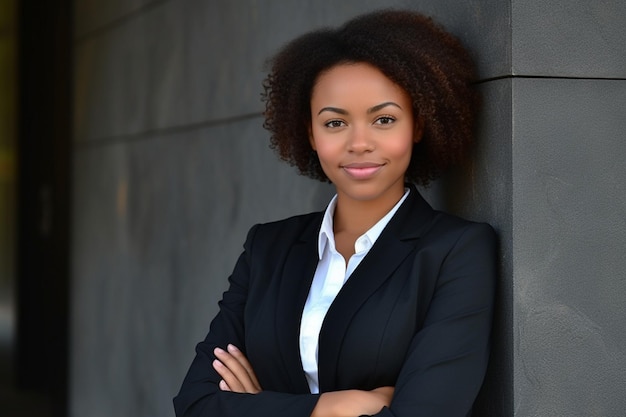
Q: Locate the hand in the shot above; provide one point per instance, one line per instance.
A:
(384, 395)
(236, 372)
(352, 403)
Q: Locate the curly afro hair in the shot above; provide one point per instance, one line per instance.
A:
(430, 64)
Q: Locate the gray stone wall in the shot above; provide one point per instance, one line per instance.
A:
(569, 207)
(171, 168)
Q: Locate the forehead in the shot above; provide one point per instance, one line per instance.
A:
(356, 83)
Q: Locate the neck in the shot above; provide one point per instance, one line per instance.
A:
(356, 216)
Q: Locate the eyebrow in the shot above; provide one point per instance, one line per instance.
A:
(382, 106)
(369, 111)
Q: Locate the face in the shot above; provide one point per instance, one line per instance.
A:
(363, 131)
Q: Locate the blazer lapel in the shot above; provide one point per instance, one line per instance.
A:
(295, 283)
(394, 244)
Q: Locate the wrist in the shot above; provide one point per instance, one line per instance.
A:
(348, 403)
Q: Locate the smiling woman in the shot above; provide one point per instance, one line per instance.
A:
(362, 129)
(379, 305)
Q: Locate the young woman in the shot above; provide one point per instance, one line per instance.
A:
(380, 305)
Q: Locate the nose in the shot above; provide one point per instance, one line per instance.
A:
(359, 140)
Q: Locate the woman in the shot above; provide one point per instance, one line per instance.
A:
(380, 305)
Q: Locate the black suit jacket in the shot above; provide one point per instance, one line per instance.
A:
(415, 314)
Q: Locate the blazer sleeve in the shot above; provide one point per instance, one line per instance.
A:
(447, 359)
(200, 395)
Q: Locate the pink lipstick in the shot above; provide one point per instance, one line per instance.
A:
(362, 170)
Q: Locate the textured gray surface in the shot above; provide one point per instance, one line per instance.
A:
(569, 233)
(565, 38)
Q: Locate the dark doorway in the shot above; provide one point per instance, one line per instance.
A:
(39, 352)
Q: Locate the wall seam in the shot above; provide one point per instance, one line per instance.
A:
(548, 77)
(117, 22)
(170, 130)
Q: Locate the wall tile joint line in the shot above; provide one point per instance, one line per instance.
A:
(170, 130)
(108, 26)
(546, 77)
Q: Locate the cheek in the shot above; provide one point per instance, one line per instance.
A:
(325, 153)
(401, 148)
(325, 147)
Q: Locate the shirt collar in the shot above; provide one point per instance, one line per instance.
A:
(326, 235)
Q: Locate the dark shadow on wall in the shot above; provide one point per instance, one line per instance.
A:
(496, 396)
(473, 191)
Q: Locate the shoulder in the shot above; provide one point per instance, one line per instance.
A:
(418, 219)
(291, 225)
(465, 248)
(457, 256)
(448, 237)
(473, 236)
(454, 227)
(286, 231)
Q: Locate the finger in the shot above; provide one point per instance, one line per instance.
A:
(224, 386)
(237, 371)
(241, 358)
(234, 373)
(230, 379)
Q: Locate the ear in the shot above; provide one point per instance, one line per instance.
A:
(418, 129)
(311, 140)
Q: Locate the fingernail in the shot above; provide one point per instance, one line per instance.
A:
(232, 348)
(217, 364)
(223, 385)
(218, 350)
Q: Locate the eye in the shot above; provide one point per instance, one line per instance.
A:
(384, 120)
(334, 124)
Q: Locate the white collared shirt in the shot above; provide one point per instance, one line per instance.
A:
(330, 275)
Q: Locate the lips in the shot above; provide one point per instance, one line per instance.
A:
(362, 170)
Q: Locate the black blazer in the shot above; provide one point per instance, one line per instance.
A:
(415, 314)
